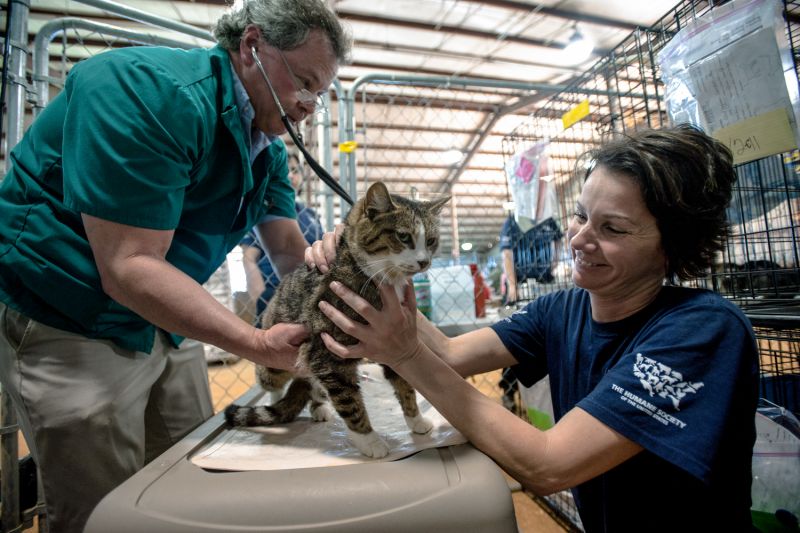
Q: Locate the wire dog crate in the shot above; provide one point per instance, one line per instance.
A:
(759, 267)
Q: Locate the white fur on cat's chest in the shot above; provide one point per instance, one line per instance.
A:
(400, 290)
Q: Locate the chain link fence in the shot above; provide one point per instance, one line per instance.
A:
(422, 141)
(430, 137)
(425, 138)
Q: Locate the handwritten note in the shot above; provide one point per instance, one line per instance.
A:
(757, 137)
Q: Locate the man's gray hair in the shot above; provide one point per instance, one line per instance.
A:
(284, 24)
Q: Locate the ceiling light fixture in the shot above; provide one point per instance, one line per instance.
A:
(453, 156)
(578, 48)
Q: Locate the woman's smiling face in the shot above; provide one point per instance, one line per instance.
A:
(614, 239)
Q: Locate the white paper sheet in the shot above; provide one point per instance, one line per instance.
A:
(308, 444)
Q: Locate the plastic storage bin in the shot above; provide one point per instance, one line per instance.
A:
(451, 489)
(452, 295)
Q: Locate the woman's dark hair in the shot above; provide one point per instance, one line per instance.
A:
(686, 179)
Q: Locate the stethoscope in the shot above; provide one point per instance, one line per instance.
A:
(298, 140)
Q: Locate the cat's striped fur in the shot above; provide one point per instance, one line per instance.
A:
(386, 239)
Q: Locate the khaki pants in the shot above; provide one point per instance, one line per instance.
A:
(94, 414)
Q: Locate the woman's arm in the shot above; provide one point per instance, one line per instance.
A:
(575, 450)
(468, 354)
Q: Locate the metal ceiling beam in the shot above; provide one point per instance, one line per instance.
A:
(353, 16)
(411, 49)
(558, 13)
(430, 166)
(489, 123)
(387, 67)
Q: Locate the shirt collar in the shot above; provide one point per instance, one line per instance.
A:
(257, 140)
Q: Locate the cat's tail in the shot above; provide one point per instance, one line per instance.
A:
(285, 410)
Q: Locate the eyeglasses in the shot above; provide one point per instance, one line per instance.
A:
(303, 95)
(323, 174)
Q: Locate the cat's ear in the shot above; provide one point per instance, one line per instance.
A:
(437, 205)
(377, 200)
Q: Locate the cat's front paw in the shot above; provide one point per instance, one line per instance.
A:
(370, 444)
(321, 413)
(419, 424)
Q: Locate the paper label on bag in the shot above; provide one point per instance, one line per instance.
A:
(753, 138)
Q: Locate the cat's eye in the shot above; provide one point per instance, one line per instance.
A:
(403, 237)
(431, 242)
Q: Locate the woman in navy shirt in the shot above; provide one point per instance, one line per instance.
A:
(654, 386)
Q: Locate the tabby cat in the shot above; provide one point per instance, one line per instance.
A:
(386, 239)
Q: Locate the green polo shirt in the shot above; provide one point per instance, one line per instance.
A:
(145, 136)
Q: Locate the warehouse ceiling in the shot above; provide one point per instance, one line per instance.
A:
(410, 112)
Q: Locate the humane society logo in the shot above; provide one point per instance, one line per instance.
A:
(662, 380)
(658, 380)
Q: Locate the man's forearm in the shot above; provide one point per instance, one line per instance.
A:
(171, 300)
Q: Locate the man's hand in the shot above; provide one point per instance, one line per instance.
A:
(322, 253)
(280, 344)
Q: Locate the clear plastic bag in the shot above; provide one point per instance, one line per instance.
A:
(776, 460)
(731, 73)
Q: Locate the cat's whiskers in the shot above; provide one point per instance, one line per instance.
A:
(370, 265)
(377, 261)
(384, 273)
(373, 276)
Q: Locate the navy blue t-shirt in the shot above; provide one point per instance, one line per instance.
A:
(509, 233)
(680, 378)
(310, 226)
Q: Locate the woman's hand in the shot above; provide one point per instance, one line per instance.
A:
(389, 336)
(322, 253)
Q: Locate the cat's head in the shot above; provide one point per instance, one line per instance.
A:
(393, 237)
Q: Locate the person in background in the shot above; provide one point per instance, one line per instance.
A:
(123, 197)
(509, 234)
(260, 275)
(654, 385)
(481, 291)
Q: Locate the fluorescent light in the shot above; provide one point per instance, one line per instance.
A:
(466, 246)
(451, 157)
(578, 49)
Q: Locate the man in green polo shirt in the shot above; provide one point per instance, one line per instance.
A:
(123, 197)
